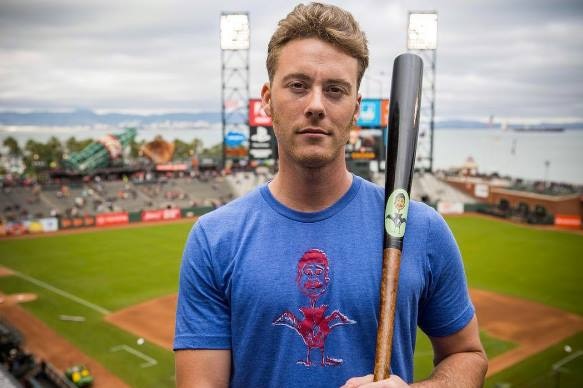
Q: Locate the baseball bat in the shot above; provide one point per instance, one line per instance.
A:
(404, 106)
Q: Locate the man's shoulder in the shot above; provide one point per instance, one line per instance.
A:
(371, 188)
(422, 218)
(422, 210)
(234, 210)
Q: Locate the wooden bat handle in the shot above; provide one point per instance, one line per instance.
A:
(388, 301)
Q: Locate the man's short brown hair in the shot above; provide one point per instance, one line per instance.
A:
(326, 22)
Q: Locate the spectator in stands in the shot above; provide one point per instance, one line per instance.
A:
(238, 299)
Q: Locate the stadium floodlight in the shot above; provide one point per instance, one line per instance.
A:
(234, 31)
(422, 30)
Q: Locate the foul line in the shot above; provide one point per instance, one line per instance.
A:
(559, 364)
(149, 360)
(64, 294)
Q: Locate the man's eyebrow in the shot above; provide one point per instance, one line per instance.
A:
(304, 77)
(300, 76)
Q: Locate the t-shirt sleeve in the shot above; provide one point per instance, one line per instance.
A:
(202, 313)
(445, 307)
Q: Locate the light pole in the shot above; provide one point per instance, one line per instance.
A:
(234, 37)
(422, 40)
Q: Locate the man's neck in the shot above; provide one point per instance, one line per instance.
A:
(310, 189)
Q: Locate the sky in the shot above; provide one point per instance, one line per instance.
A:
(515, 60)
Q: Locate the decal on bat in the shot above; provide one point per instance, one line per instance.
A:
(396, 213)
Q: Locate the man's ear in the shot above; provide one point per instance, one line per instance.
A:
(357, 108)
(266, 98)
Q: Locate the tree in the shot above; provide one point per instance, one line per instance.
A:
(215, 151)
(135, 147)
(73, 145)
(12, 145)
(39, 155)
(184, 150)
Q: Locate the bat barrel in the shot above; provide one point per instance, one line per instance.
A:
(404, 109)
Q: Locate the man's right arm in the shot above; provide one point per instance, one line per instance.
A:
(203, 368)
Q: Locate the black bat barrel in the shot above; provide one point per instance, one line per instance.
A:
(405, 104)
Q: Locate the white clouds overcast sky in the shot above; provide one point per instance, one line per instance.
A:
(511, 59)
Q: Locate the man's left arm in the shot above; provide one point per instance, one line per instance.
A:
(460, 361)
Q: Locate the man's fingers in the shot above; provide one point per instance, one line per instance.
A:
(357, 381)
(367, 382)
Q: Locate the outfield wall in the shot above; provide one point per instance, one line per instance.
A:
(102, 220)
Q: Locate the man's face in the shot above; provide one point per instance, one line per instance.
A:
(313, 101)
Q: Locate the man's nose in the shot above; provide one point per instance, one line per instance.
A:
(315, 108)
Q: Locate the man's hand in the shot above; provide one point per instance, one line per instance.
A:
(366, 382)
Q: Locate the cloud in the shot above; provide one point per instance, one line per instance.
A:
(509, 59)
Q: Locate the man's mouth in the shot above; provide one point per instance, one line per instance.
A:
(313, 131)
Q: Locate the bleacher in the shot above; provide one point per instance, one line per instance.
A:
(18, 203)
(243, 182)
(426, 187)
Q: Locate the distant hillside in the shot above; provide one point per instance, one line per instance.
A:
(88, 117)
(468, 124)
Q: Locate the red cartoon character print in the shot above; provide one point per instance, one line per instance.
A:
(312, 280)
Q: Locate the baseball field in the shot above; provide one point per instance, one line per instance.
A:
(106, 297)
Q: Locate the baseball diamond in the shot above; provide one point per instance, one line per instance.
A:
(132, 272)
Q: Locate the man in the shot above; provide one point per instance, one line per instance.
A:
(240, 279)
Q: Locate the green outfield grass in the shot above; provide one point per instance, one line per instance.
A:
(117, 268)
(112, 268)
(542, 265)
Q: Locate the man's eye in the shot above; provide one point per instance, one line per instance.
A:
(335, 91)
(297, 86)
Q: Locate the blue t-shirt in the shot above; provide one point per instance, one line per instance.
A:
(295, 295)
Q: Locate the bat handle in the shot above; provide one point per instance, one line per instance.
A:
(388, 299)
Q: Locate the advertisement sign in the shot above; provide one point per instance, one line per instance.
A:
(14, 228)
(568, 221)
(108, 219)
(234, 139)
(50, 224)
(257, 116)
(370, 113)
(262, 143)
(161, 215)
(364, 144)
(481, 190)
(445, 207)
(384, 113)
(172, 167)
(239, 152)
(77, 222)
(41, 225)
(33, 226)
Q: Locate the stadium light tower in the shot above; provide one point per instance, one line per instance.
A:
(422, 40)
(234, 35)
